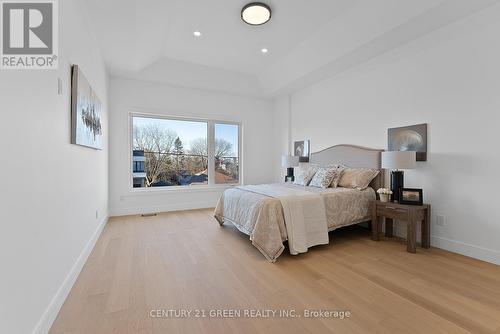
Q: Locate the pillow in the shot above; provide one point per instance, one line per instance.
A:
(326, 177)
(357, 178)
(303, 175)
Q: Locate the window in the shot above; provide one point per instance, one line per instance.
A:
(170, 152)
(226, 153)
(139, 167)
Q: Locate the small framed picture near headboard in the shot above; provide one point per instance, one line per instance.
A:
(302, 149)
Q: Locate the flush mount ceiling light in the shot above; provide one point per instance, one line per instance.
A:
(256, 13)
(197, 33)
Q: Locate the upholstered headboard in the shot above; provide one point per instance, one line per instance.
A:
(354, 157)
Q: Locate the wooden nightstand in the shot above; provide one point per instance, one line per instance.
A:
(410, 214)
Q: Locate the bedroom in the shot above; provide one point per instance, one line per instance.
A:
(96, 240)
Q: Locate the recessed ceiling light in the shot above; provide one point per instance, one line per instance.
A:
(264, 50)
(256, 13)
(197, 34)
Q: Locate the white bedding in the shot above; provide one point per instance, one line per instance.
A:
(304, 214)
(261, 216)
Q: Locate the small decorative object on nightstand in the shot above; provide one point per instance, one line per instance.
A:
(385, 194)
(411, 196)
(288, 162)
(410, 214)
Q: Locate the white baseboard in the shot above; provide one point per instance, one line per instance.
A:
(50, 314)
(116, 212)
(477, 252)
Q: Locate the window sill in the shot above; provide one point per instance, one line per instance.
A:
(182, 189)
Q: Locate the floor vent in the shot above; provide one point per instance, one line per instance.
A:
(149, 215)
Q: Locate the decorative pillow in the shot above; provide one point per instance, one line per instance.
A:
(325, 177)
(357, 178)
(304, 174)
(340, 169)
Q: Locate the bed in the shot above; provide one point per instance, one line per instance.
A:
(273, 213)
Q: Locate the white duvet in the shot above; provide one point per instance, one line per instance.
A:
(304, 214)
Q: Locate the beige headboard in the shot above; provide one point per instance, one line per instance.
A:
(354, 157)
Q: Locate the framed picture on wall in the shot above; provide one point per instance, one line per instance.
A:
(302, 149)
(86, 110)
(409, 138)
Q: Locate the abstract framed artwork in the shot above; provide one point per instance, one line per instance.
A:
(409, 138)
(86, 112)
(302, 149)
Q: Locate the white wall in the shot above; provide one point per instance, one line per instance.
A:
(128, 96)
(186, 74)
(449, 79)
(282, 131)
(50, 189)
(365, 30)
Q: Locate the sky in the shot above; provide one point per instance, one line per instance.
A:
(228, 132)
(189, 131)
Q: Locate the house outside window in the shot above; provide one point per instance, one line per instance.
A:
(138, 169)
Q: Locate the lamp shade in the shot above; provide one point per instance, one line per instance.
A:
(288, 161)
(399, 160)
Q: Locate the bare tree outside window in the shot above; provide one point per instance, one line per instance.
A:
(157, 144)
(226, 153)
(162, 143)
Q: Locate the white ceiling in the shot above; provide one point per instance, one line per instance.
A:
(135, 34)
(231, 44)
(153, 39)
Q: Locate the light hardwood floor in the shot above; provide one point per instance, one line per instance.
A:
(185, 260)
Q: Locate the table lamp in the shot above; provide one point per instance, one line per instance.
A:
(289, 161)
(396, 160)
